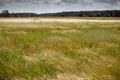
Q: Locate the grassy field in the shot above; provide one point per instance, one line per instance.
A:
(59, 51)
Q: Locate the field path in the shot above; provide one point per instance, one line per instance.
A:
(15, 20)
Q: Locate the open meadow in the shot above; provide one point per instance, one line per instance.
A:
(45, 50)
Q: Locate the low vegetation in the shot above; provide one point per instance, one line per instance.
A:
(59, 51)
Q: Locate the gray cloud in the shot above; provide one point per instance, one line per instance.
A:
(42, 6)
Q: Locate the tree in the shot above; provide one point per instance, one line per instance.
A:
(5, 13)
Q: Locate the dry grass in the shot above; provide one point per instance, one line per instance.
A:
(69, 20)
(67, 52)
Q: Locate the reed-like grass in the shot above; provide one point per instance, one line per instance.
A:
(59, 51)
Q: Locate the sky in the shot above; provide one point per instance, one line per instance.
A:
(51, 6)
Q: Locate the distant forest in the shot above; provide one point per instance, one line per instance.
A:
(105, 13)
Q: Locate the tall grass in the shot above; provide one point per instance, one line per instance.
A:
(90, 52)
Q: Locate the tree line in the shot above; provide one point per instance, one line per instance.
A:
(104, 13)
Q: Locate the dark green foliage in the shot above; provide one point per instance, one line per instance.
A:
(5, 13)
(106, 13)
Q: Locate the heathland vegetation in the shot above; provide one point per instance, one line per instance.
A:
(59, 51)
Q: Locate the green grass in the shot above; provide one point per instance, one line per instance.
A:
(57, 24)
(30, 51)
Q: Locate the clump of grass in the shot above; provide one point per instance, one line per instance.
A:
(13, 64)
(38, 68)
(11, 60)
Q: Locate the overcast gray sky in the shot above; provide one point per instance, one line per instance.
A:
(46, 6)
